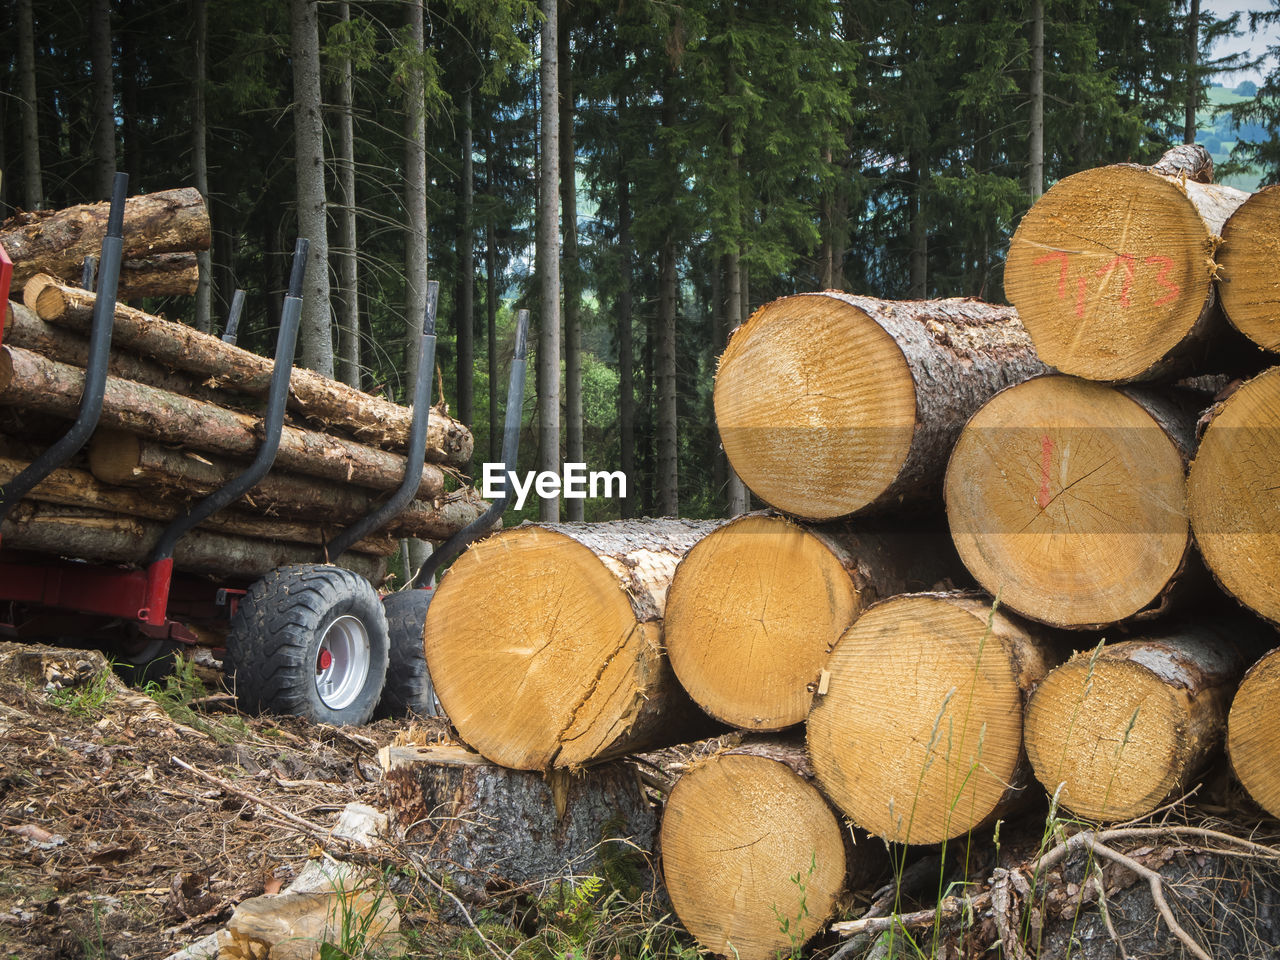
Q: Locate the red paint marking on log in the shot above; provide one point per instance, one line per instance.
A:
(1120, 258)
(1080, 289)
(1046, 456)
(1173, 288)
(1062, 259)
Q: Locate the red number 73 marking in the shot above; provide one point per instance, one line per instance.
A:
(1130, 263)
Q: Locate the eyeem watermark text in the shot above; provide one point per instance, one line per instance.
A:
(573, 483)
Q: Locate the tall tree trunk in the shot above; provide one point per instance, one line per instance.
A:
(200, 157)
(548, 263)
(32, 185)
(103, 96)
(626, 365)
(668, 465)
(348, 260)
(1035, 185)
(467, 281)
(574, 509)
(1193, 69)
(734, 315)
(314, 334)
(134, 148)
(919, 235)
(491, 309)
(415, 195)
(827, 251)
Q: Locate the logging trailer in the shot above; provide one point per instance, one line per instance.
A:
(309, 639)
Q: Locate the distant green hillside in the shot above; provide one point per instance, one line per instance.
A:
(1219, 136)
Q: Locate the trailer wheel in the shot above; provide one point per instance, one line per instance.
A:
(309, 640)
(142, 660)
(408, 691)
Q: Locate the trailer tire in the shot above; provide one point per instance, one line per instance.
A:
(139, 662)
(408, 691)
(309, 640)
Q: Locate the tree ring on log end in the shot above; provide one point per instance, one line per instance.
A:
(1253, 733)
(752, 612)
(919, 737)
(815, 405)
(736, 832)
(535, 650)
(1250, 286)
(1067, 500)
(1111, 732)
(1110, 271)
(1234, 494)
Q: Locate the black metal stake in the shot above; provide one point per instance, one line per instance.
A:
(233, 318)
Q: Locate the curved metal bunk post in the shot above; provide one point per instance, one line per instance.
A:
(477, 528)
(160, 562)
(95, 374)
(233, 318)
(89, 273)
(417, 451)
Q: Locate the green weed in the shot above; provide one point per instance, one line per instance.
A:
(86, 699)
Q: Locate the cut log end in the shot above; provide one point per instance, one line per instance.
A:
(1067, 500)
(753, 857)
(1233, 498)
(1110, 271)
(813, 380)
(919, 738)
(1250, 287)
(1253, 733)
(752, 612)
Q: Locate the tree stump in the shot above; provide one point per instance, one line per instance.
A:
(1067, 500)
(1124, 727)
(545, 643)
(919, 736)
(757, 604)
(492, 829)
(1112, 270)
(1253, 732)
(1248, 285)
(753, 857)
(1231, 494)
(828, 403)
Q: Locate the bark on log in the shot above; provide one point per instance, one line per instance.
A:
(545, 643)
(25, 329)
(124, 459)
(92, 535)
(1253, 732)
(1112, 271)
(1231, 494)
(737, 831)
(79, 488)
(37, 383)
(57, 241)
(164, 275)
(919, 736)
(1067, 499)
(756, 606)
(494, 829)
(1247, 283)
(1123, 728)
(327, 402)
(866, 395)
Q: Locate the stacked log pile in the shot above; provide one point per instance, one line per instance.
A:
(181, 417)
(912, 451)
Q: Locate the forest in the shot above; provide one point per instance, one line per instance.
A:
(639, 174)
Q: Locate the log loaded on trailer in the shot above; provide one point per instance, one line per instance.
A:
(138, 529)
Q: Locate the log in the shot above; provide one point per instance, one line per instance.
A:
(93, 535)
(125, 459)
(753, 857)
(494, 829)
(44, 385)
(1247, 283)
(1253, 732)
(1067, 499)
(918, 738)
(79, 488)
(57, 241)
(1231, 494)
(164, 275)
(545, 643)
(225, 365)
(1117, 731)
(829, 404)
(1112, 271)
(25, 329)
(756, 606)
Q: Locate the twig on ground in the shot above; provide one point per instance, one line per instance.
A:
(498, 952)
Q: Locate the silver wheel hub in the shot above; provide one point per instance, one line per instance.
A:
(342, 662)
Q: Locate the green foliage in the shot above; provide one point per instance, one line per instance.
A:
(792, 927)
(88, 698)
